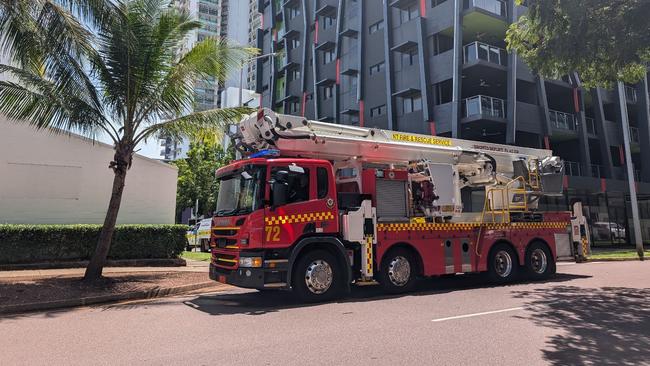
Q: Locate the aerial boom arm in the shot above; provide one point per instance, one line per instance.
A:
(478, 162)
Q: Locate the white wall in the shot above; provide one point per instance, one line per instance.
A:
(48, 178)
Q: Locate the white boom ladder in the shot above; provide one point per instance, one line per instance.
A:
(297, 137)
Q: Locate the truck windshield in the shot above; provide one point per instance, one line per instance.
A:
(241, 191)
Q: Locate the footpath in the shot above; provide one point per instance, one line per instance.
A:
(47, 289)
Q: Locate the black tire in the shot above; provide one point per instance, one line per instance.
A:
(323, 286)
(503, 266)
(403, 281)
(540, 264)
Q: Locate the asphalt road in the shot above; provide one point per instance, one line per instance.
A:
(595, 313)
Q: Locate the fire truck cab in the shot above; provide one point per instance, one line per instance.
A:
(316, 207)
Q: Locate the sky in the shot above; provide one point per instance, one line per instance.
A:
(150, 148)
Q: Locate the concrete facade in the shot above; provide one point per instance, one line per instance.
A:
(48, 178)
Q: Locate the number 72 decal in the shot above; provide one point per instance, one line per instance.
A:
(272, 233)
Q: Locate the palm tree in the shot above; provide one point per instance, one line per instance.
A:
(113, 67)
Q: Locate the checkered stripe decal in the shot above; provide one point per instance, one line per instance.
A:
(468, 226)
(298, 218)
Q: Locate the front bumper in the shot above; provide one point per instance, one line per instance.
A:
(257, 278)
(241, 277)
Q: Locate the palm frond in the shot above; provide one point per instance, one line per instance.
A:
(210, 59)
(194, 125)
(49, 111)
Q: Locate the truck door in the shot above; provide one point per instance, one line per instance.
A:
(309, 207)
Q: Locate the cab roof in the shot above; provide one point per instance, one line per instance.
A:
(237, 164)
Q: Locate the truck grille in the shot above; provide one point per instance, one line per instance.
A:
(230, 231)
(224, 260)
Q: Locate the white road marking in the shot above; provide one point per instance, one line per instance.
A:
(476, 314)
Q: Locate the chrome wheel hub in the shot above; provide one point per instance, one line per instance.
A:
(538, 261)
(502, 263)
(399, 271)
(318, 276)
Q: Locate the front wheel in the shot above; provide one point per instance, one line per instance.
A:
(398, 271)
(540, 264)
(502, 265)
(317, 277)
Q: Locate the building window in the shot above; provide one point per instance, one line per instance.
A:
(376, 27)
(376, 68)
(293, 75)
(378, 111)
(443, 91)
(409, 57)
(411, 104)
(293, 12)
(328, 56)
(328, 22)
(293, 43)
(294, 107)
(349, 83)
(435, 3)
(409, 13)
(440, 43)
(328, 92)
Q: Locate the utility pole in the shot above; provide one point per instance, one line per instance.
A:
(630, 170)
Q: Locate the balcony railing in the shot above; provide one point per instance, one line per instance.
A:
(630, 94)
(634, 135)
(591, 126)
(497, 7)
(562, 121)
(596, 171)
(572, 168)
(484, 105)
(483, 51)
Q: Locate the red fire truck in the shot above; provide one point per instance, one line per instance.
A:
(315, 207)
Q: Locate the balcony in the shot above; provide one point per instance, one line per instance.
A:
(596, 171)
(497, 7)
(634, 135)
(476, 51)
(485, 106)
(562, 121)
(630, 94)
(572, 168)
(591, 126)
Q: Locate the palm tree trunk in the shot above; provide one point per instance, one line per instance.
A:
(98, 260)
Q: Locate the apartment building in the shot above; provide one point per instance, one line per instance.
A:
(440, 67)
(235, 20)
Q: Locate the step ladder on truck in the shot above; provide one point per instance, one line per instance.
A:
(314, 207)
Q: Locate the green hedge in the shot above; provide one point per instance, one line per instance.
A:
(45, 243)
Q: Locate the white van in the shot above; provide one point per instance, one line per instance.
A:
(199, 235)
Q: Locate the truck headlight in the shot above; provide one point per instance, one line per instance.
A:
(250, 262)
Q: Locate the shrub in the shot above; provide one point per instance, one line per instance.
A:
(46, 243)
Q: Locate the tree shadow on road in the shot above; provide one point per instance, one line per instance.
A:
(252, 302)
(605, 326)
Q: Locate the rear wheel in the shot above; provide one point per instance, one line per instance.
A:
(398, 271)
(539, 262)
(317, 277)
(502, 264)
